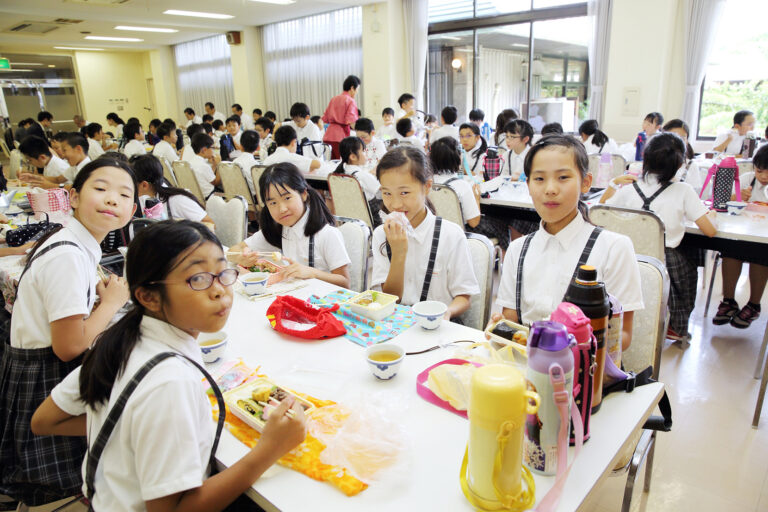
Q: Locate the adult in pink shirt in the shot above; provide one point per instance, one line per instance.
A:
(341, 114)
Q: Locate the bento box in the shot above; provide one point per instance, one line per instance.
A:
(373, 304)
(243, 401)
(506, 331)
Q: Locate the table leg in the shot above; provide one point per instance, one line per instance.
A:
(761, 393)
(761, 357)
(711, 283)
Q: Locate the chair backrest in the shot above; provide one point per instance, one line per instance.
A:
(348, 198)
(230, 214)
(619, 165)
(745, 167)
(256, 172)
(168, 172)
(446, 203)
(233, 181)
(14, 167)
(645, 229)
(137, 224)
(649, 325)
(6, 150)
(481, 251)
(185, 178)
(357, 241)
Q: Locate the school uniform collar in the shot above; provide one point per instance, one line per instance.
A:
(164, 333)
(83, 163)
(197, 159)
(281, 150)
(477, 146)
(54, 161)
(85, 238)
(566, 236)
(296, 231)
(423, 233)
(349, 168)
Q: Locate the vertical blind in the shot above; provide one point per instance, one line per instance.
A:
(307, 59)
(204, 73)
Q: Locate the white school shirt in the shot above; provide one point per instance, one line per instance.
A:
(759, 191)
(330, 252)
(463, 189)
(180, 206)
(550, 263)
(246, 121)
(165, 150)
(220, 116)
(264, 145)
(134, 147)
(446, 130)
(187, 153)
(56, 166)
(413, 140)
(513, 164)
(246, 161)
(203, 173)
(194, 120)
(387, 132)
(473, 164)
(374, 151)
(145, 457)
(610, 147)
(95, 149)
(368, 181)
(734, 147)
(282, 154)
(453, 273)
(56, 286)
(678, 203)
(310, 132)
(72, 171)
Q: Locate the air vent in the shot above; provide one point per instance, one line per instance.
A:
(99, 2)
(32, 27)
(66, 21)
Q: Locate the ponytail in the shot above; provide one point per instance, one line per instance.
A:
(482, 149)
(600, 139)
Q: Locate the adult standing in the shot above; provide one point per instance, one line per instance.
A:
(341, 114)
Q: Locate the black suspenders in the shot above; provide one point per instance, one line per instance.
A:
(45, 250)
(648, 200)
(432, 258)
(519, 284)
(311, 255)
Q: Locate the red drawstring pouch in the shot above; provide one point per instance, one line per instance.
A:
(300, 318)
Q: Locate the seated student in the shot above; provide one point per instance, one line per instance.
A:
(675, 203)
(651, 127)
(54, 323)
(408, 134)
(246, 160)
(354, 163)
(517, 138)
(117, 123)
(179, 135)
(187, 152)
(447, 165)
(208, 118)
(210, 109)
(297, 223)
(192, 118)
(56, 141)
(473, 149)
(95, 140)
(407, 104)
(448, 116)
(202, 145)
(557, 171)
(305, 130)
(245, 121)
(38, 154)
(552, 128)
(256, 114)
(503, 119)
(401, 261)
(430, 123)
(730, 141)
(229, 143)
(272, 117)
(152, 137)
(477, 117)
(179, 286)
(177, 202)
(595, 141)
(388, 131)
(755, 188)
(264, 127)
(318, 121)
(374, 147)
(285, 139)
(166, 148)
(135, 137)
(689, 172)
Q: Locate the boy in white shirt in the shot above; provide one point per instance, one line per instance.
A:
(407, 134)
(305, 129)
(374, 147)
(37, 152)
(246, 160)
(191, 117)
(202, 144)
(210, 109)
(166, 148)
(187, 152)
(264, 128)
(407, 110)
(245, 121)
(135, 137)
(285, 137)
(448, 116)
(388, 130)
(730, 142)
(95, 140)
(233, 130)
(75, 149)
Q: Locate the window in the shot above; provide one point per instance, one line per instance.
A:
(204, 73)
(737, 72)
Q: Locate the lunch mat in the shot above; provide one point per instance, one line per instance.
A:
(362, 330)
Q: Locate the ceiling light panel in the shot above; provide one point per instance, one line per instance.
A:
(146, 29)
(195, 14)
(119, 39)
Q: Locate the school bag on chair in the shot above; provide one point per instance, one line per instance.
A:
(723, 177)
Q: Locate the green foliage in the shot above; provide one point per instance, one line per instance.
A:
(723, 99)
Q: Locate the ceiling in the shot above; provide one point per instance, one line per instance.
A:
(99, 17)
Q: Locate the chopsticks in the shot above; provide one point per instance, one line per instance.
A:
(289, 412)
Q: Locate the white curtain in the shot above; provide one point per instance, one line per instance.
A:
(599, 13)
(204, 74)
(701, 19)
(501, 83)
(416, 19)
(307, 59)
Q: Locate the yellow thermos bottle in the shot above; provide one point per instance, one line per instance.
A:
(492, 473)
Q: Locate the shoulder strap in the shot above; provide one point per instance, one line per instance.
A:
(454, 178)
(587, 249)
(519, 283)
(752, 184)
(648, 200)
(432, 258)
(45, 250)
(311, 254)
(95, 451)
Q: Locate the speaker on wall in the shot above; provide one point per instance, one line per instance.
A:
(233, 38)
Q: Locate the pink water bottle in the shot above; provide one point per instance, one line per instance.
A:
(604, 171)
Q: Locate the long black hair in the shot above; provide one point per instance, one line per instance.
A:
(663, 156)
(445, 156)
(347, 147)
(148, 168)
(476, 130)
(152, 255)
(80, 179)
(504, 117)
(590, 127)
(116, 118)
(682, 125)
(286, 176)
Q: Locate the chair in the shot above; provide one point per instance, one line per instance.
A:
(483, 254)
(256, 172)
(234, 183)
(230, 214)
(649, 327)
(645, 229)
(349, 199)
(137, 224)
(446, 203)
(6, 150)
(617, 161)
(168, 172)
(357, 241)
(185, 178)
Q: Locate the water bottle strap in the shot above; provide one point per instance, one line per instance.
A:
(523, 501)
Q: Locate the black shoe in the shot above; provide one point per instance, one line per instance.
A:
(725, 312)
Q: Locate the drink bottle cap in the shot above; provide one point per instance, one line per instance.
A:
(586, 273)
(548, 335)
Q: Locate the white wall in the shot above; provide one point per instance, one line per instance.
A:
(248, 72)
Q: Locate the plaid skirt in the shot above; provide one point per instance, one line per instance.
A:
(492, 227)
(524, 227)
(35, 469)
(683, 278)
(375, 206)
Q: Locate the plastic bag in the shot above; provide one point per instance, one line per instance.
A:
(399, 218)
(300, 318)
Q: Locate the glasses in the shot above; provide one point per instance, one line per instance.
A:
(467, 136)
(204, 280)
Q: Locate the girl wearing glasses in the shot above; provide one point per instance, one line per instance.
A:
(54, 321)
(180, 286)
(518, 136)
